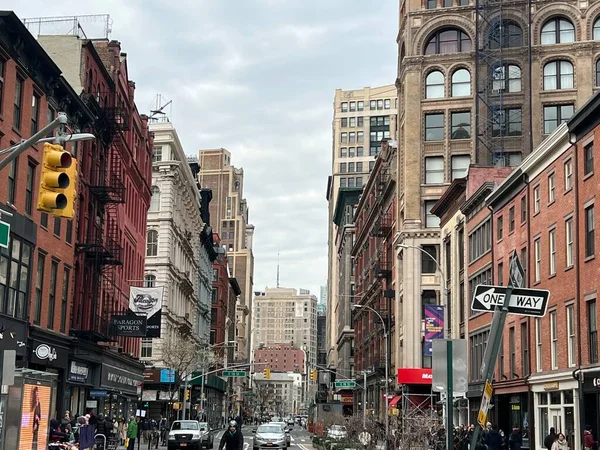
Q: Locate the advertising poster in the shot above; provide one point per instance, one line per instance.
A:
(434, 326)
(147, 301)
(34, 420)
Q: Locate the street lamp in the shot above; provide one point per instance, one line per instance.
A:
(387, 381)
(444, 286)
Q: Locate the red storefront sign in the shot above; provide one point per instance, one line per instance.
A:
(415, 376)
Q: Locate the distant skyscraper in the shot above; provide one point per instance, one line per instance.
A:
(322, 305)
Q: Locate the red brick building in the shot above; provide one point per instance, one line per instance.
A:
(220, 297)
(280, 358)
(37, 269)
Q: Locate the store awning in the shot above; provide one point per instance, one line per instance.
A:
(394, 401)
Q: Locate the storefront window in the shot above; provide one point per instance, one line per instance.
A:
(555, 398)
(556, 409)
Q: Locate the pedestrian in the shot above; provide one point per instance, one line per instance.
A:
(86, 434)
(132, 433)
(65, 424)
(493, 439)
(101, 427)
(515, 440)
(123, 431)
(560, 443)
(550, 439)
(232, 438)
(115, 428)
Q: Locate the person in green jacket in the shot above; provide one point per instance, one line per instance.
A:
(132, 432)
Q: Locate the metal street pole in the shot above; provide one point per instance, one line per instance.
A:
(364, 399)
(449, 397)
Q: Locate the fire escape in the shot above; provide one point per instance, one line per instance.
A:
(102, 249)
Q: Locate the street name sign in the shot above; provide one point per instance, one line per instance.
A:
(485, 404)
(4, 234)
(526, 302)
(345, 384)
(234, 373)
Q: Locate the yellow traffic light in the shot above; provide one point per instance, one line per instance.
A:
(267, 373)
(313, 375)
(187, 394)
(58, 182)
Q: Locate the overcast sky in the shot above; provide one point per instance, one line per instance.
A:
(256, 77)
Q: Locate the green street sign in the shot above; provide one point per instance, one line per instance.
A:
(345, 384)
(234, 373)
(4, 234)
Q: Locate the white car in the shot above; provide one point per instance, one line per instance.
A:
(337, 432)
(286, 430)
(269, 436)
(185, 434)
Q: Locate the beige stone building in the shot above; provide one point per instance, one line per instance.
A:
(444, 121)
(229, 217)
(361, 119)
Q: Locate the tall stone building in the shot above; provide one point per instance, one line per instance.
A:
(511, 103)
(229, 217)
(361, 119)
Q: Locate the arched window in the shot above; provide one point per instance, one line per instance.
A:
(155, 199)
(506, 78)
(558, 31)
(448, 40)
(434, 85)
(596, 30)
(150, 281)
(558, 75)
(506, 34)
(461, 83)
(598, 73)
(236, 185)
(152, 243)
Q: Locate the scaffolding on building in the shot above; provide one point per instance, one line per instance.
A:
(502, 66)
(98, 26)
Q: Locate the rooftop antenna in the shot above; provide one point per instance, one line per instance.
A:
(158, 111)
(277, 266)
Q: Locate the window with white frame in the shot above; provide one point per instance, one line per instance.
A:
(538, 260)
(552, 250)
(155, 199)
(536, 199)
(538, 344)
(157, 154)
(146, 348)
(568, 175)
(434, 170)
(460, 165)
(431, 220)
(461, 83)
(571, 335)
(558, 75)
(569, 241)
(551, 188)
(152, 243)
(434, 85)
(553, 340)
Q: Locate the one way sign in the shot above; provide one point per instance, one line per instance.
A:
(526, 302)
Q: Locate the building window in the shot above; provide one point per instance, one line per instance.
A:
(352, 106)
(2, 66)
(557, 31)
(18, 104)
(215, 295)
(501, 274)
(538, 260)
(360, 106)
(461, 125)
(553, 340)
(593, 331)
(387, 103)
(511, 219)
(551, 188)
(35, 113)
(460, 166)
(343, 152)
(44, 220)
(506, 78)
(536, 199)
(146, 351)
(506, 34)
(12, 180)
(343, 167)
(352, 122)
(571, 335)
(588, 159)
(569, 242)
(69, 232)
(39, 288)
(152, 243)
(555, 115)
(360, 136)
(65, 298)
(155, 199)
(431, 4)
(344, 137)
(352, 138)
(568, 175)
(512, 355)
(344, 122)
(590, 247)
(431, 220)
(524, 349)
(373, 105)
(461, 83)
(434, 127)
(552, 250)
(359, 166)
(558, 75)
(434, 170)
(434, 85)
(480, 241)
(507, 122)
(359, 152)
(523, 209)
(499, 228)
(596, 30)
(29, 188)
(56, 226)
(428, 264)
(449, 40)
(538, 344)
(351, 167)
(343, 182)
(157, 154)
(52, 293)
(149, 280)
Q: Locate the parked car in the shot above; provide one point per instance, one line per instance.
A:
(186, 434)
(337, 432)
(286, 430)
(270, 435)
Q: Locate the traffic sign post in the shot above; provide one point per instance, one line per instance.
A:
(234, 373)
(525, 302)
(345, 384)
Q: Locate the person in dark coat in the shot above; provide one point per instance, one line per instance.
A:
(86, 434)
(515, 440)
(101, 427)
(493, 440)
(550, 438)
(232, 438)
(55, 434)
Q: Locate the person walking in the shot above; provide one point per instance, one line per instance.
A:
(588, 438)
(560, 443)
(515, 440)
(232, 438)
(493, 440)
(132, 433)
(86, 434)
(550, 438)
